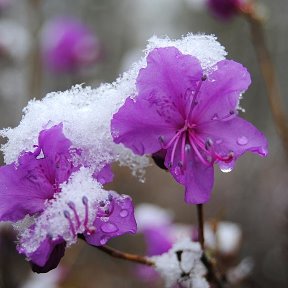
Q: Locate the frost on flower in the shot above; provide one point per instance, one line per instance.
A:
(85, 114)
(182, 265)
(185, 113)
(54, 196)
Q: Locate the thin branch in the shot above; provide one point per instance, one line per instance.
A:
(200, 218)
(268, 72)
(35, 56)
(126, 256)
(213, 275)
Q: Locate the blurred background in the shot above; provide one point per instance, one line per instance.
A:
(50, 45)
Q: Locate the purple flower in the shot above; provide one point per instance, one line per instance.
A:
(26, 186)
(224, 9)
(189, 118)
(68, 45)
(53, 200)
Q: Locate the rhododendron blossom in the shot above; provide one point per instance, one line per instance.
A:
(53, 199)
(68, 45)
(225, 9)
(188, 118)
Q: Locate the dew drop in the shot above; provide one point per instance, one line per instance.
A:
(178, 171)
(187, 148)
(124, 213)
(226, 169)
(218, 141)
(242, 141)
(215, 117)
(104, 219)
(109, 227)
(103, 240)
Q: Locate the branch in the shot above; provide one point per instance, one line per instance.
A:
(200, 217)
(268, 72)
(126, 256)
(213, 275)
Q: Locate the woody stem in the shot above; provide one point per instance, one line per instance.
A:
(268, 72)
(126, 256)
(200, 225)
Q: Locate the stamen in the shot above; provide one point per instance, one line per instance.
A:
(174, 150)
(68, 217)
(208, 143)
(161, 140)
(205, 162)
(73, 208)
(183, 147)
(174, 137)
(228, 158)
(102, 204)
(85, 202)
(90, 230)
(194, 101)
(187, 148)
(204, 77)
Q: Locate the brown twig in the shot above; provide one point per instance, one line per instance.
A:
(213, 275)
(35, 56)
(200, 225)
(126, 256)
(268, 72)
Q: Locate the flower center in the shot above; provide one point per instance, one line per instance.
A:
(75, 222)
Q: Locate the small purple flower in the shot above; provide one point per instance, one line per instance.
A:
(189, 118)
(68, 45)
(224, 9)
(26, 186)
(53, 200)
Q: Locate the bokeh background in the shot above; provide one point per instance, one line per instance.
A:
(254, 195)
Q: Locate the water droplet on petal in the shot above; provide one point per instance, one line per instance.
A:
(103, 240)
(215, 117)
(178, 171)
(104, 219)
(218, 141)
(109, 227)
(226, 169)
(187, 148)
(242, 141)
(124, 213)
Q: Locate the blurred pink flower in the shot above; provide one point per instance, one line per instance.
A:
(224, 9)
(68, 45)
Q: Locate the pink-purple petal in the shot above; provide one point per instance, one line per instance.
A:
(25, 186)
(105, 175)
(118, 220)
(139, 127)
(220, 93)
(237, 136)
(167, 82)
(199, 180)
(47, 256)
(196, 177)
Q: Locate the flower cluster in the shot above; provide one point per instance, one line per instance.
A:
(179, 104)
